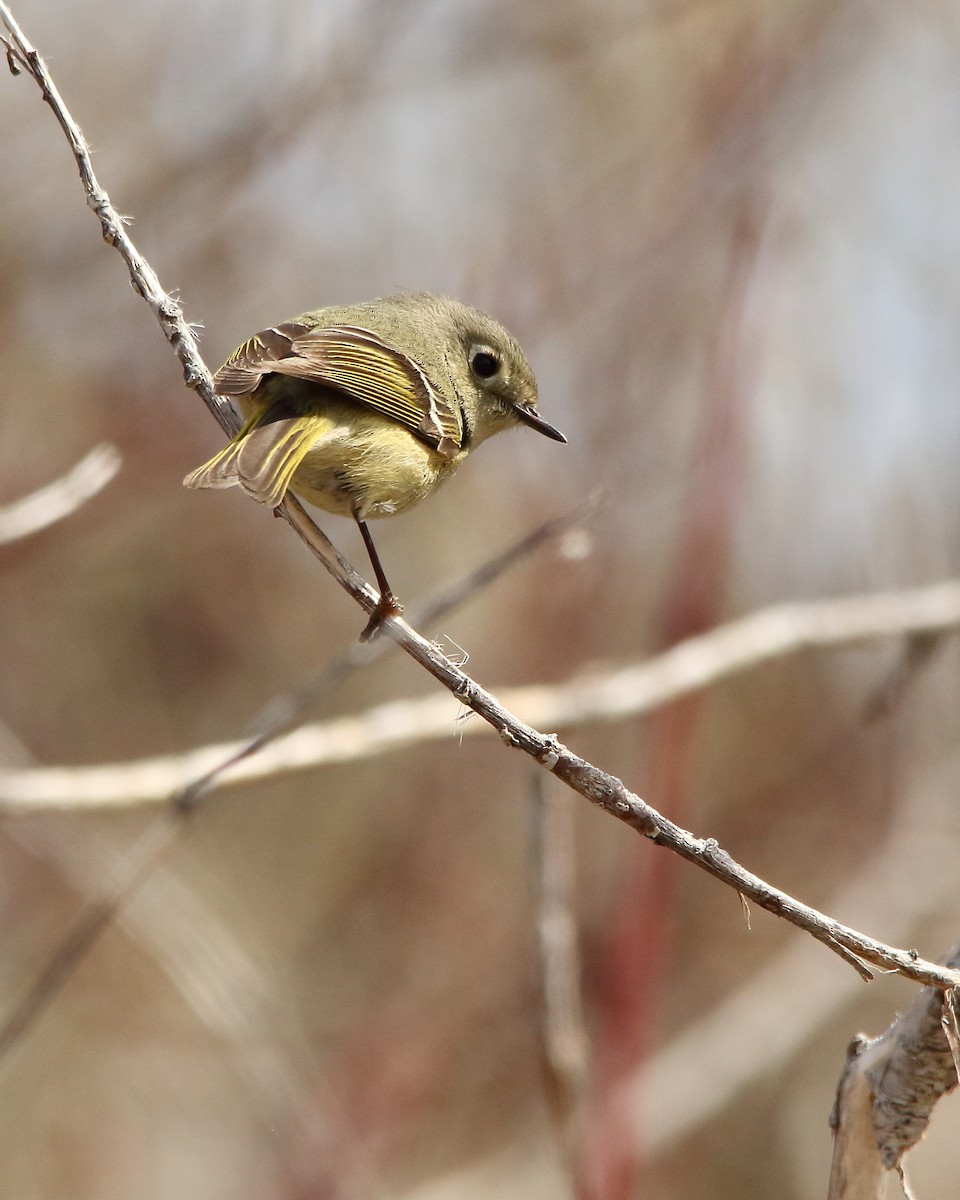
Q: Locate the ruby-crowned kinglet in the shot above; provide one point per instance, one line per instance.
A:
(365, 410)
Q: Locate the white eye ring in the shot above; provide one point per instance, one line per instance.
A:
(484, 362)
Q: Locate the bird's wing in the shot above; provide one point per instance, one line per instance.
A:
(357, 363)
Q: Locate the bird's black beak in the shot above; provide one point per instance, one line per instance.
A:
(529, 417)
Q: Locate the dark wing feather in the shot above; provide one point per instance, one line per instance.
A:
(355, 362)
(261, 355)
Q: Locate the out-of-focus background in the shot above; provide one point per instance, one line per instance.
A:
(727, 235)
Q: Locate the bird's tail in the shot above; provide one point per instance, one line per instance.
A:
(264, 456)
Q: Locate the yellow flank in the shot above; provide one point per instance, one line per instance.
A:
(355, 462)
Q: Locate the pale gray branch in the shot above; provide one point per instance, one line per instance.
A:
(630, 691)
(22, 56)
(63, 496)
(600, 788)
(908, 881)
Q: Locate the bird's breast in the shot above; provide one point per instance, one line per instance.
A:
(369, 466)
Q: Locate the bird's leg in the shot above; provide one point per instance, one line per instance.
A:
(388, 605)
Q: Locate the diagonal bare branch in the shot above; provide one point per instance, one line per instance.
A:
(596, 785)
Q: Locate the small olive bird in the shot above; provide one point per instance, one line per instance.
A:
(366, 410)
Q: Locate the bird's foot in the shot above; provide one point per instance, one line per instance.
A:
(387, 606)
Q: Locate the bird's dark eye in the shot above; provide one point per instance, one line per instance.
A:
(484, 364)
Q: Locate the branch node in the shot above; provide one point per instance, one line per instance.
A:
(550, 755)
(192, 378)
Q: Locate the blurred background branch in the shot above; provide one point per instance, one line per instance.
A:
(698, 663)
(590, 173)
(57, 500)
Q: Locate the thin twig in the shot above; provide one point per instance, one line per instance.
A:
(137, 863)
(598, 786)
(919, 614)
(743, 1036)
(22, 56)
(54, 501)
(153, 844)
(285, 712)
